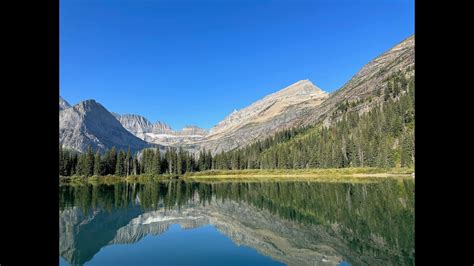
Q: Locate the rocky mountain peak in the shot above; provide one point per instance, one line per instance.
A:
(270, 106)
(89, 123)
(89, 105)
(63, 104)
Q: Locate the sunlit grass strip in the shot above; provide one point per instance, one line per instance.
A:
(284, 178)
(352, 175)
(318, 171)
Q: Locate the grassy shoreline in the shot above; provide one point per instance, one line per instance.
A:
(366, 174)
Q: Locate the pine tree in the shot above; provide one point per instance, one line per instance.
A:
(156, 162)
(81, 168)
(181, 162)
(136, 166)
(74, 161)
(90, 161)
(61, 161)
(128, 162)
(189, 163)
(120, 166)
(208, 160)
(97, 164)
(110, 162)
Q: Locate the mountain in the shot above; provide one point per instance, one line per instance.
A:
(303, 104)
(136, 124)
(363, 88)
(159, 132)
(277, 111)
(89, 123)
(191, 130)
(368, 123)
(300, 104)
(63, 104)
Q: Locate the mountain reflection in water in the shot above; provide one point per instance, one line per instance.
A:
(294, 223)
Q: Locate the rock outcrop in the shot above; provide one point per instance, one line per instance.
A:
(275, 112)
(88, 123)
(63, 104)
(159, 132)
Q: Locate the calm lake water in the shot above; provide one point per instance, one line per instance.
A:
(259, 223)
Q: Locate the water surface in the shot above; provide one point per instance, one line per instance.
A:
(238, 223)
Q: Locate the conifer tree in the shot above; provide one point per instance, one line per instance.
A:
(120, 166)
(128, 162)
(97, 164)
(61, 161)
(156, 162)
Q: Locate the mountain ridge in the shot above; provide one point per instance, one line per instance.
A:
(299, 104)
(88, 123)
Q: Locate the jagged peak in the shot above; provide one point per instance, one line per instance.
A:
(91, 105)
(160, 123)
(63, 104)
(88, 102)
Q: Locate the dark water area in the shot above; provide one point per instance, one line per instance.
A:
(238, 223)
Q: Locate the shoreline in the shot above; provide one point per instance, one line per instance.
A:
(366, 174)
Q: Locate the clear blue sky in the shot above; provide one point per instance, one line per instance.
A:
(193, 62)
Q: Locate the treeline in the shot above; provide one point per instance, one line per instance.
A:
(383, 137)
(121, 163)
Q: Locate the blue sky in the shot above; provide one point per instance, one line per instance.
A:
(193, 62)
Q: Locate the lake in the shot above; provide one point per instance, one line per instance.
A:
(237, 223)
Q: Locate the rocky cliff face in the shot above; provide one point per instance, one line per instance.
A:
(63, 104)
(273, 113)
(159, 132)
(136, 124)
(89, 123)
(192, 130)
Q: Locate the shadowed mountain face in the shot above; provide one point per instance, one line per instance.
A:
(364, 224)
(89, 123)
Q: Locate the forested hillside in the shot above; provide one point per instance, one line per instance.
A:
(382, 137)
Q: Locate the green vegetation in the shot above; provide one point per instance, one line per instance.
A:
(313, 171)
(380, 138)
(367, 174)
(324, 175)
